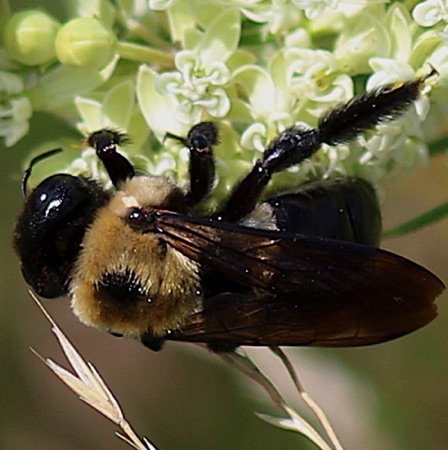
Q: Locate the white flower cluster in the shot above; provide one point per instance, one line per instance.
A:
(254, 66)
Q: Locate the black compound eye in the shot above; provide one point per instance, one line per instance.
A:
(50, 206)
(56, 197)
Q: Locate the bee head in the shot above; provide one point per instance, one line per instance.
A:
(57, 213)
(51, 227)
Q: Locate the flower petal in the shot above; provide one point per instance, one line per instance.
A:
(158, 110)
(221, 39)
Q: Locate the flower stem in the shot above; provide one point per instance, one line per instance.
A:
(438, 146)
(137, 30)
(5, 14)
(425, 219)
(144, 54)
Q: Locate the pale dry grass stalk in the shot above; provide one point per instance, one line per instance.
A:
(312, 405)
(87, 383)
(91, 389)
(295, 422)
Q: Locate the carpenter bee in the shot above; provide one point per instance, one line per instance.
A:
(299, 268)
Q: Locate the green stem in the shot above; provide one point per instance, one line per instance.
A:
(5, 14)
(145, 54)
(418, 222)
(438, 146)
(409, 4)
(143, 33)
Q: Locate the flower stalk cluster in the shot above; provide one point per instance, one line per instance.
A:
(148, 67)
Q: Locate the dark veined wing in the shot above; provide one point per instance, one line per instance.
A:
(306, 290)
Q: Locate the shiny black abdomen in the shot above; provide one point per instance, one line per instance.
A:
(346, 209)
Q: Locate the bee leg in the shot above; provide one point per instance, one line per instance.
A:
(289, 148)
(339, 125)
(117, 335)
(221, 347)
(200, 141)
(152, 342)
(105, 143)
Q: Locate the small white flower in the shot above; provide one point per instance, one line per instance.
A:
(278, 15)
(313, 8)
(430, 12)
(160, 5)
(315, 81)
(386, 70)
(15, 109)
(196, 86)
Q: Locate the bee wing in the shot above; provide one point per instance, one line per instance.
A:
(305, 290)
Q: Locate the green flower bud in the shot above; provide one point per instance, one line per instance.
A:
(85, 42)
(29, 37)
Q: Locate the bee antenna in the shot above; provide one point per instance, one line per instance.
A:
(175, 137)
(34, 161)
(432, 72)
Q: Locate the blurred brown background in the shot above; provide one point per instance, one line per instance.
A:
(388, 397)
